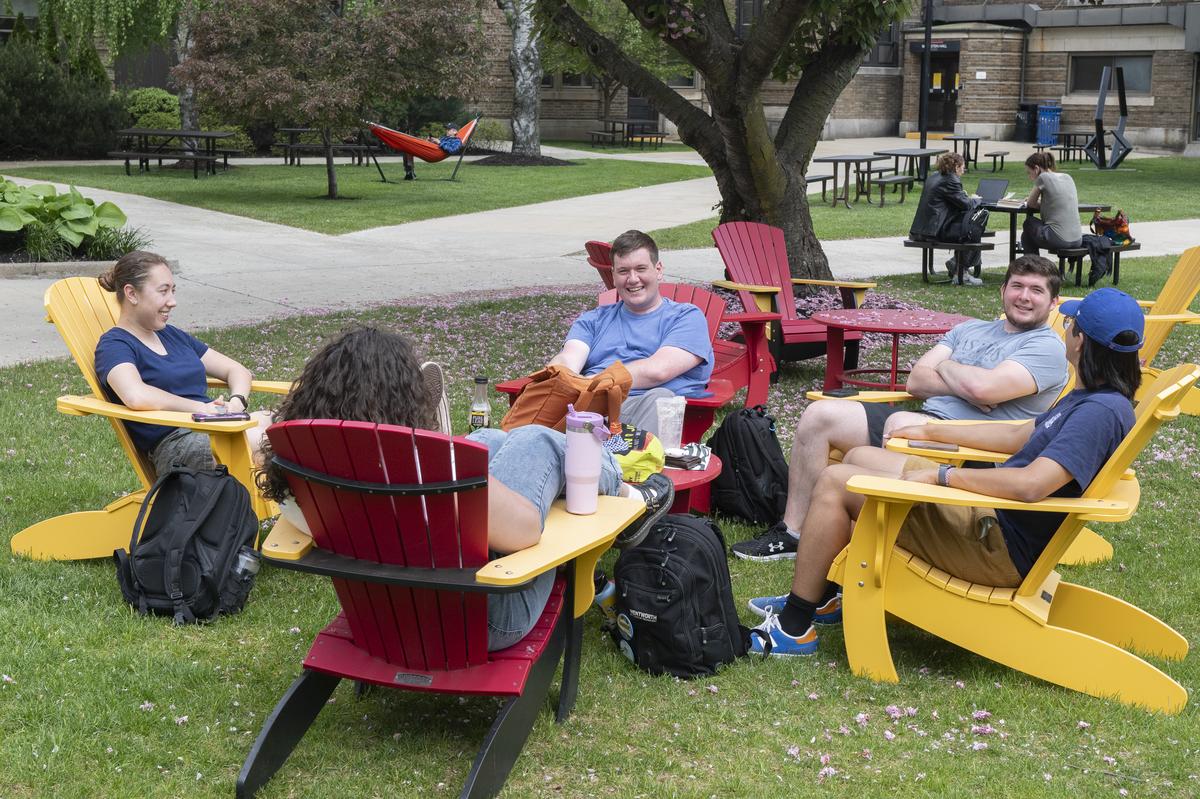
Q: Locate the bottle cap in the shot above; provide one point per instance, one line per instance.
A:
(482, 379)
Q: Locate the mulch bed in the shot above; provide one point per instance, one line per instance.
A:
(508, 159)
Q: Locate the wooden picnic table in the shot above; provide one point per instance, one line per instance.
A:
(156, 144)
(917, 322)
(968, 140)
(911, 156)
(290, 156)
(846, 161)
(1012, 211)
(1071, 142)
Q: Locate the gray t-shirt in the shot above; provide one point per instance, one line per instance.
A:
(986, 344)
(1060, 205)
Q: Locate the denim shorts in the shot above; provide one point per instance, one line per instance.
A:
(531, 461)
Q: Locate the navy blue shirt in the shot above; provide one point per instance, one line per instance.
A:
(1080, 433)
(179, 372)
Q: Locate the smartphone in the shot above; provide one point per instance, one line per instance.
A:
(220, 417)
(844, 391)
(940, 446)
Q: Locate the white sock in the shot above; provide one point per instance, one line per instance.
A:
(793, 533)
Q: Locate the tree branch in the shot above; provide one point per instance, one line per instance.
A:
(768, 37)
(818, 88)
(710, 49)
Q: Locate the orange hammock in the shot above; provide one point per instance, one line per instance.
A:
(421, 148)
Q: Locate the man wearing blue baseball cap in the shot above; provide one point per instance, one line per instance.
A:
(1056, 454)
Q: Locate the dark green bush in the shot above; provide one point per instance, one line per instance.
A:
(140, 102)
(47, 113)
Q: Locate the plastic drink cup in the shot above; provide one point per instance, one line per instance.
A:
(586, 432)
(670, 421)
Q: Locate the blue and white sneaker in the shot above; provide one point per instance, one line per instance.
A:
(829, 613)
(769, 640)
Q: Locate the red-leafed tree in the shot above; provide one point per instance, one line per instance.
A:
(819, 43)
(325, 62)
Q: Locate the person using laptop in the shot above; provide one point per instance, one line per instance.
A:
(942, 212)
(1055, 196)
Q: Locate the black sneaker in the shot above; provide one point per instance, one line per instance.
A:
(659, 492)
(774, 543)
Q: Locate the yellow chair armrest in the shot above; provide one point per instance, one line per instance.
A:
(843, 284)
(1185, 317)
(959, 455)
(286, 541)
(265, 386)
(732, 286)
(1141, 303)
(90, 406)
(888, 488)
(564, 538)
(866, 396)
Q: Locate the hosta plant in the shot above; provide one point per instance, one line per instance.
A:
(73, 217)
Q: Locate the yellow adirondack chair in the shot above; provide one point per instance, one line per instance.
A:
(1167, 310)
(81, 312)
(1057, 631)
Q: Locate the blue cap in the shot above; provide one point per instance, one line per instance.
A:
(1105, 314)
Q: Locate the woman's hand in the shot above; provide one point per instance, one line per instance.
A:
(913, 432)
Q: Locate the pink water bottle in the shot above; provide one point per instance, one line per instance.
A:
(586, 432)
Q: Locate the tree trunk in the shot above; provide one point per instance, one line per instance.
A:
(330, 171)
(189, 112)
(525, 64)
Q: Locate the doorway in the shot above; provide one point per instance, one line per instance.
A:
(943, 91)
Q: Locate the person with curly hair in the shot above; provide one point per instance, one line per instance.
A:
(370, 375)
(942, 211)
(147, 364)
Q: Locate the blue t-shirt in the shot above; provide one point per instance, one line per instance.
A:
(179, 372)
(1080, 433)
(614, 333)
(986, 344)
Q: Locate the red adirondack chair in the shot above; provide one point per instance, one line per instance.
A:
(753, 370)
(399, 521)
(600, 257)
(757, 267)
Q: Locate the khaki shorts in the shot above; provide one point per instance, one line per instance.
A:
(966, 542)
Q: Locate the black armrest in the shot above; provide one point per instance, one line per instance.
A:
(320, 561)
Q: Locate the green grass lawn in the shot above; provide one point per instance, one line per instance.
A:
(290, 195)
(1148, 189)
(96, 701)
(588, 147)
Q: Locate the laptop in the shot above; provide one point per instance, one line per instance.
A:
(991, 190)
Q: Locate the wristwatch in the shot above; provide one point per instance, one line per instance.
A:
(245, 402)
(943, 477)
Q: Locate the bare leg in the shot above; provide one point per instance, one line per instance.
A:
(878, 460)
(514, 522)
(827, 529)
(824, 424)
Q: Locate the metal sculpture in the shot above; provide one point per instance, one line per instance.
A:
(1120, 145)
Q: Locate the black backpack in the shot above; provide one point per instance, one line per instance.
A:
(196, 557)
(674, 602)
(752, 484)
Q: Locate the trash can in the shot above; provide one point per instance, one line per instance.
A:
(1048, 118)
(1026, 129)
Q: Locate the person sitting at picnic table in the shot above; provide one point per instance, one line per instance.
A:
(1057, 454)
(1054, 194)
(1010, 368)
(450, 143)
(147, 364)
(664, 344)
(942, 210)
(370, 375)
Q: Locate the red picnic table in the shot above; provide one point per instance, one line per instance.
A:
(693, 487)
(898, 323)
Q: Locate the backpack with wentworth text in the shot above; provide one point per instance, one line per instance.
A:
(674, 601)
(194, 557)
(752, 484)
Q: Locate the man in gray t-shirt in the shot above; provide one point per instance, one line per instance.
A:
(1012, 368)
(1054, 194)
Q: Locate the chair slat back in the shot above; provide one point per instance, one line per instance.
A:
(712, 306)
(600, 258)
(1160, 403)
(414, 628)
(81, 311)
(756, 253)
(1176, 295)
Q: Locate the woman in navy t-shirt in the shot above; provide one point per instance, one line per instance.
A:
(149, 365)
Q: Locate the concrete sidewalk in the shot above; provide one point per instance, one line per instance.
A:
(235, 270)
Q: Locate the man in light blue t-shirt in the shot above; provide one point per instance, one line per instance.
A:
(664, 344)
(1010, 368)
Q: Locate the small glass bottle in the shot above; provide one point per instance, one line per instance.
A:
(481, 405)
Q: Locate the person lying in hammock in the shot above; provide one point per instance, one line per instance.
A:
(450, 143)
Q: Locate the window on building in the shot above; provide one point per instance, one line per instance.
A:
(573, 79)
(1086, 71)
(886, 52)
(747, 12)
(547, 80)
(684, 81)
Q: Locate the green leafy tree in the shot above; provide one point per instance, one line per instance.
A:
(323, 63)
(610, 18)
(819, 43)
